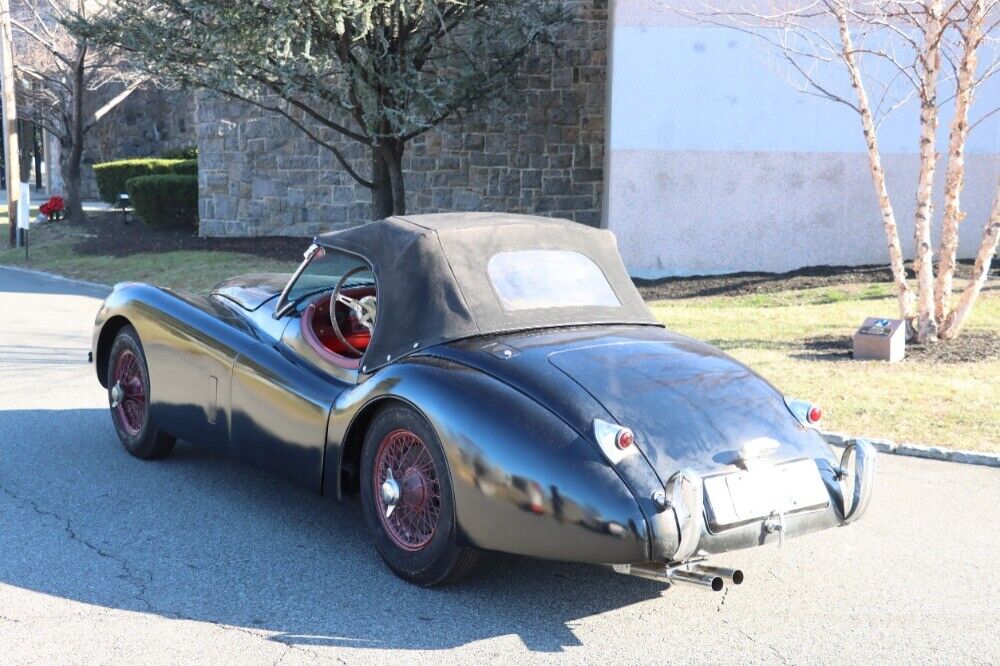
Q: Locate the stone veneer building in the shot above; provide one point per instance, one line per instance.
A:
(145, 124)
(677, 136)
(260, 175)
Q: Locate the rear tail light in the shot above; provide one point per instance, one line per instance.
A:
(806, 412)
(616, 441)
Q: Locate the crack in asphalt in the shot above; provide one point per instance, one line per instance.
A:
(138, 581)
(722, 601)
(772, 648)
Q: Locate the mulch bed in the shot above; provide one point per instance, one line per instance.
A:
(107, 235)
(744, 284)
(970, 347)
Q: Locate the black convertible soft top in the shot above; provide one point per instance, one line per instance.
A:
(433, 286)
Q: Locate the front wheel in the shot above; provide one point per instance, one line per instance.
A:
(128, 397)
(408, 501)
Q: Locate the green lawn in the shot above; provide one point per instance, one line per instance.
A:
(781, 335)
(947, 404)
(51, 249)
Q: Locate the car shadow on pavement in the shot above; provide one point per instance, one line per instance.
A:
(196, 537)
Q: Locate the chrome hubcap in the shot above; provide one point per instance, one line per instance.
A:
(390, 493)
(117, 394)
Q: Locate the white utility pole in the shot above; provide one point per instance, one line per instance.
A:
(11, 160)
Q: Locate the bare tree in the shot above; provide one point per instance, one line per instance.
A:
(894, 51)
(67, 85)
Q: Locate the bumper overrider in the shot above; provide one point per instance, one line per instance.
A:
(829, 496)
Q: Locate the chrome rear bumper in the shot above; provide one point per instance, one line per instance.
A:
(849, 486)
(863, 453)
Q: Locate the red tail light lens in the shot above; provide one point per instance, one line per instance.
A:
(624, 438)
(814, 414)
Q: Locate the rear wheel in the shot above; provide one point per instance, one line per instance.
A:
(408, 501)
(128, 397)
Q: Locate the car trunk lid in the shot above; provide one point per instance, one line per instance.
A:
(688, 404)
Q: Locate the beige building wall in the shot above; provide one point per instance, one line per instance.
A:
(715, 164)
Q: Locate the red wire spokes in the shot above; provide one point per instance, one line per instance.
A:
(129, 379)
(414, 518)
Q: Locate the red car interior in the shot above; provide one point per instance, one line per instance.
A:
(318, 331)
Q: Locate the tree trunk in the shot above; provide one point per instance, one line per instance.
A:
(955, 175)
(36, 145)
(381, 186)
(69, 167)
(394, 164)
(926, 328)
(71, 153)
(389, 192)
(987, 248)
(903, 293)
(25, 144)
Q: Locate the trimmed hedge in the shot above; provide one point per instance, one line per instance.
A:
(187, 167)
(112, 176)
(183, 153)
(165, 201)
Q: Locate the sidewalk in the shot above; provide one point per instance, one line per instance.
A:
(41, 196)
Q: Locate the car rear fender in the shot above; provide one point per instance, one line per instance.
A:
(524, 481)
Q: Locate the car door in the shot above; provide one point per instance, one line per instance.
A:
(282, 394)
(279, 413)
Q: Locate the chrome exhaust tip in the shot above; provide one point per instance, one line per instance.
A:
(697, 578)
(735, 576)
(674, 575)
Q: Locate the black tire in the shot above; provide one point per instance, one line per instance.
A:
(138, 434)
(441, 560)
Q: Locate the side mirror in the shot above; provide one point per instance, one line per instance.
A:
(857, 477)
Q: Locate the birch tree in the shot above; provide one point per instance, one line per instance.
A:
(373, 72)
(67, 84)
(894, 52)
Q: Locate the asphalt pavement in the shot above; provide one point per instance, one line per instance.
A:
(193, 559)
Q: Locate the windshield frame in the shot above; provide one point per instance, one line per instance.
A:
(285, 306)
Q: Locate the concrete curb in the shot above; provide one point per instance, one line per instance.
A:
(919, 450)
(54, 276)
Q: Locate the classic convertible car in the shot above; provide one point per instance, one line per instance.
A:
(483, 382)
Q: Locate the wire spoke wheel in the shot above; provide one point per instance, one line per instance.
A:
(130, 382)
(407, 489)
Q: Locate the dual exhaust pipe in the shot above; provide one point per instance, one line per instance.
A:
(701, 575)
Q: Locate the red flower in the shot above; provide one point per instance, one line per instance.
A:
(53, 206)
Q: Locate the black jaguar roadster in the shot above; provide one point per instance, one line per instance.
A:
(483, 382)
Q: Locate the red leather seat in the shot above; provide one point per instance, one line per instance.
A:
(318, 331)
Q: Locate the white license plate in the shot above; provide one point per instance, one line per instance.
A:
(755, 494)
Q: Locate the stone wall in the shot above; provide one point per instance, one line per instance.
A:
(145, 124)
(260, 175)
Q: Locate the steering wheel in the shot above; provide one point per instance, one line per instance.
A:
(364, 309)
